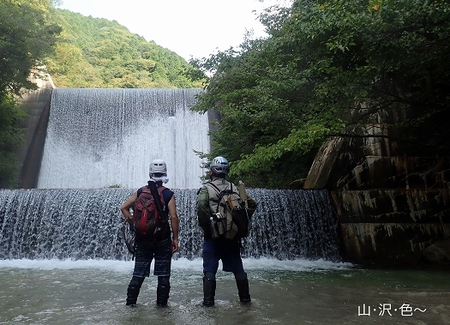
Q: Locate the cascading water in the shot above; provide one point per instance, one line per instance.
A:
(63, 259)
(98, 138)
(85, 224)
(107, 137)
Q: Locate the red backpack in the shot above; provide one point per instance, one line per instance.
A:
(150, 222)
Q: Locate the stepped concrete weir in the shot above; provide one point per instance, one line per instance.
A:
(108, 137)
(389, 209)
(83, 224)
(100, 139)
(393, 209)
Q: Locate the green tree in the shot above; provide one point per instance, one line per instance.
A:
(11, 137)
(330, 68)
(26, 36)
(94, 52)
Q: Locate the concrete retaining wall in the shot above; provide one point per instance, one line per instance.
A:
(392, 209)
(37, 104)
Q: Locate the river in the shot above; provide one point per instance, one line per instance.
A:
(283, 292)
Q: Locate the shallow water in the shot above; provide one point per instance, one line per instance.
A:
(283, 292)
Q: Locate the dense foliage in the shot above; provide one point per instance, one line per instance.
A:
(98, 53)
(26, 36)
(330, 67)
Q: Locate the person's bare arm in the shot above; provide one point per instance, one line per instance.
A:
(125, 208)
(174, 223)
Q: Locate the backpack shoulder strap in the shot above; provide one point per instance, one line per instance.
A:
(161, 189)
(213, 186)
(157, 198)
(213, 196)
(145, 189)
(218, 190)
(213, 191)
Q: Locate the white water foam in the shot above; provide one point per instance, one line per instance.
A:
(177, 264)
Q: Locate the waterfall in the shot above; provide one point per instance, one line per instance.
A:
(84, 224)
(107, 137)
(97, 151)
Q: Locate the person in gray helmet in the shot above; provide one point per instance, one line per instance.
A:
(161, 249)
(221, 248)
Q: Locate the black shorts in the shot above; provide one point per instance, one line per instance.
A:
(144, 255)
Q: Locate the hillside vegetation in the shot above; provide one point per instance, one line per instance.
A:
(99, 53)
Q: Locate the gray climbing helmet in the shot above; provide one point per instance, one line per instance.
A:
(219, 165)
(158, 166)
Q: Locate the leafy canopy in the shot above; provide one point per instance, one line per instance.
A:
(330, 67)
(26, 36)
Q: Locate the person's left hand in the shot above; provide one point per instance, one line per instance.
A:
(174, 245)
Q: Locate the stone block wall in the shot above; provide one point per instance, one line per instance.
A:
(392, 209)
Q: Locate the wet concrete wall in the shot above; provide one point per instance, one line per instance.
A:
(391, 226)
(392, 209)
(37, 104)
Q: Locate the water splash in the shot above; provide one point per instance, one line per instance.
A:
(107, 137)
(83, 224)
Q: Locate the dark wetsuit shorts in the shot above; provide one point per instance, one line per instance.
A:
(225, 250)
(146, 252)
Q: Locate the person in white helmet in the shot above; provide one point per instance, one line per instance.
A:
(215, 249)
(161, 250)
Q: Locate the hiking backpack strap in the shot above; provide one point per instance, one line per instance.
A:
(156, 196)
